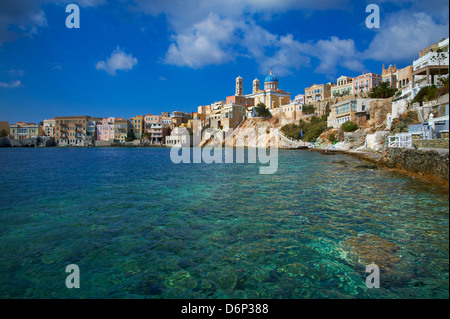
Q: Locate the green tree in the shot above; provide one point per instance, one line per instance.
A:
(308, 109)
(262, 111)
(3, 133)
(349, 126)
(130, 136)
(383, 91)
(147, 136)
(310, 130)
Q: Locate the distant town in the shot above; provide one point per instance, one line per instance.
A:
(408, 103)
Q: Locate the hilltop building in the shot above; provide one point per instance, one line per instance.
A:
(317, 93)
(272, 96)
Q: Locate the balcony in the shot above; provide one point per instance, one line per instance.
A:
(430, 59)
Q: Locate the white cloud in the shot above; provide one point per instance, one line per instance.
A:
(403, 35)
(10, 85)
(119, 61)
(27, 17)
(334, 52)
(16, 72)
(206, 44)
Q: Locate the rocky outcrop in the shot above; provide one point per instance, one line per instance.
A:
(430, 165)
(353, 140)
(5, 142)
(367, 249)
(41, 141)
(254, 132)
(379, 110)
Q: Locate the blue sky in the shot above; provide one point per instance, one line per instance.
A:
(135, 57)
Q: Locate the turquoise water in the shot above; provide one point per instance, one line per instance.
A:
(139, 226)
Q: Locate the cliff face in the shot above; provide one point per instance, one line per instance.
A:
(256, 132)
(378, 113)
(431, 165)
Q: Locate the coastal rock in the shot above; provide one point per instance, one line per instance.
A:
(355, 139)
(379, 110)
(368, 249)
(5, 142)
(227, 281)
(432, 165)
(182, 279)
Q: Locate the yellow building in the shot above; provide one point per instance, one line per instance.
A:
(22, 131)
(343, 87)
(317, 93)
(121, 129)
(271, 96)
(137, 125)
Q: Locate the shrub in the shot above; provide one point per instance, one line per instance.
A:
(400, 125)
(311, 130)
(130, 136)
(308, 109)
(332, 138)
(349, 126)
(262, 110)
(427, 93)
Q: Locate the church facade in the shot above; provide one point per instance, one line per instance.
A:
(271, 95)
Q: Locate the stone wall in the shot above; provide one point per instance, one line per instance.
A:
(440, 143)
(430, 165)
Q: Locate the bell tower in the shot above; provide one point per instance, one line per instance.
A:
(255, 86)
(239, 86)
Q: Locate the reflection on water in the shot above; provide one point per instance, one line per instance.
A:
(139, 226)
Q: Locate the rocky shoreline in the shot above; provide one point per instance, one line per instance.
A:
(429, 165)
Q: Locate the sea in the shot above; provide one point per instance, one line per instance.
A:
(136, 225)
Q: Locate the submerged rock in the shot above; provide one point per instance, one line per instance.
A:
(374, 167)
(372, 249)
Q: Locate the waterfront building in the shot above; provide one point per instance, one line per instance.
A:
(366, 82)
(272, 96)
(216, 114)
(49, 127)
(343, 87)
(105, 129)
(159, 131)
(389, 75)
(151, 120)
(178, 118)
(71, 130)
(121, 128)
(137, 126)
(22, 130)
(179, 136)
(352, 109)
(317, 93)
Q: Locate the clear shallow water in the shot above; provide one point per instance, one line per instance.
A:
(139, 226)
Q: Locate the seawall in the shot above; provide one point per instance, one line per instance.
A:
(429, 165)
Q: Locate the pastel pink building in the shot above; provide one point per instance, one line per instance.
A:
(105, 129)
(366, 82)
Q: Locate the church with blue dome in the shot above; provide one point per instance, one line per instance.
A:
(271, 96)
